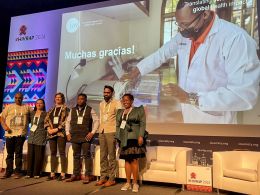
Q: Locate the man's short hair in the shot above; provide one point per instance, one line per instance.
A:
(83, 95)
(109, 87)
(19, 93)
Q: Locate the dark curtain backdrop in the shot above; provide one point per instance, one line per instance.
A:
(15, 8)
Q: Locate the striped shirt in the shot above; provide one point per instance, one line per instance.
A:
(38, 137)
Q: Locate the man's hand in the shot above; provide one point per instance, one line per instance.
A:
(7, 128)
(89, 136)
(176, 91)
(133, 76)
(68, 137)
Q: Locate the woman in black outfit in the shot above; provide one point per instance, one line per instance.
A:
(36, 140)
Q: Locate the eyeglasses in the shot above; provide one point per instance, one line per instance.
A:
(187, 26)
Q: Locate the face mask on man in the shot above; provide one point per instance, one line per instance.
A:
(191, 32)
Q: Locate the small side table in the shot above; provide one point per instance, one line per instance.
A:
(199, 178)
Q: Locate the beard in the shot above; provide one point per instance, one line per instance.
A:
(107, 98)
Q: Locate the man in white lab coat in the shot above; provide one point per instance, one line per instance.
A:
(219, 69)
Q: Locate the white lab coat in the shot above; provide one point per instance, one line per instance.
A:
(224, 71)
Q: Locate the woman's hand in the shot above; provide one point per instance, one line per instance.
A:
(68, 137)
(52, 131)
(140, 140)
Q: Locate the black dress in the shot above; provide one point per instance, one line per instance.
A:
(132, 150)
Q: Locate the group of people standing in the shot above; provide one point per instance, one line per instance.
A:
(118, 123)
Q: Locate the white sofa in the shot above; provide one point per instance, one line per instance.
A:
(237, 171)
(167, 164)
(162, 164)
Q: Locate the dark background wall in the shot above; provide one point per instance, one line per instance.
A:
(11, 8)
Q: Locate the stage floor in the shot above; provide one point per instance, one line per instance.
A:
(42, 187)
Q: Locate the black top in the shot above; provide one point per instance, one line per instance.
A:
(38, 137)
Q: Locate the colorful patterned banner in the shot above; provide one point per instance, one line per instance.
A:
(26, 73)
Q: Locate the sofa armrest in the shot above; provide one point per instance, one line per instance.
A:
(151, 153)
(258, 170)
(217, 169)
(183, 158)
(96, 164)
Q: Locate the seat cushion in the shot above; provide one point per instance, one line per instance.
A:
(242, 174)
(162, 165)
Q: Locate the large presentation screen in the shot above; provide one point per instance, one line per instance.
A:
(100, 46)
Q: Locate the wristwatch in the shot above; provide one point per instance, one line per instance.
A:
(193, 99)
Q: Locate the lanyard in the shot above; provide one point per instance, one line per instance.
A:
(15, 111)
(108, 107)
(37, 120)
(100, 114)
(55, 111)
(127, 113)
(83, 112)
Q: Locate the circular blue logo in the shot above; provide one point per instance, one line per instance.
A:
(72, 25)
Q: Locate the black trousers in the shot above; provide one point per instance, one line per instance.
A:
(14, 146)
(35, 158)
(61, 143)
(85, 147)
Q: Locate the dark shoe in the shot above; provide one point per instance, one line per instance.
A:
(101, 182)
(73, 178)
(5, 176)
(61, 178)
(110, 183)
(17, 176)
(86, 180)
(51, 178)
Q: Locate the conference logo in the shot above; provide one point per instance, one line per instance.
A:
(23, 35)
(23, 29)
(193, 175)
(72, 25)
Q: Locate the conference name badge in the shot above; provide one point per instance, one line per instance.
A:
(80, 120)
(105, 118)
(33, 128)
(123, 124)
(18, 120)
(56, 120)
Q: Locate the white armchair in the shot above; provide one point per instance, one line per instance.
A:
(237, 171)
(162, 164)
(167, 164)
